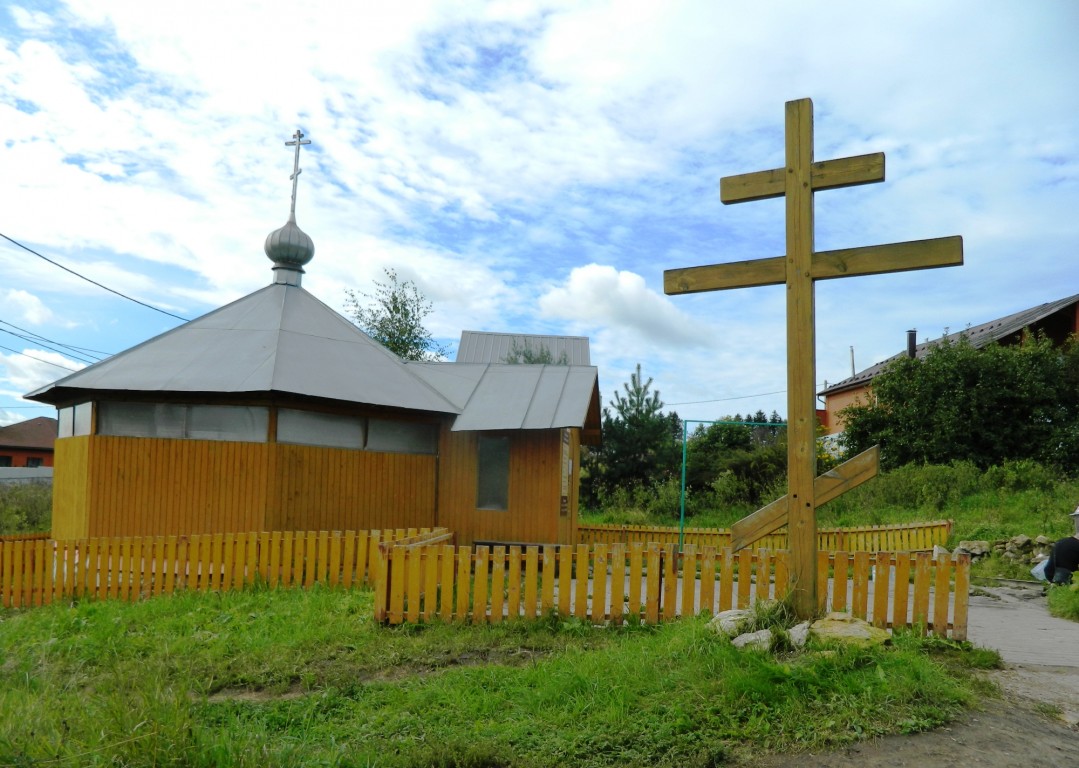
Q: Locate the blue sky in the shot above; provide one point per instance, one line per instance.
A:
(533, 167)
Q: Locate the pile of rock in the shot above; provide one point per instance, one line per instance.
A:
(1020, 549)
(835, 627)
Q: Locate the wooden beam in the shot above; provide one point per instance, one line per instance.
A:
(895, 257)
(829, 174)
(846, 262)
(718, 277)
(801, 360)
(836, 482)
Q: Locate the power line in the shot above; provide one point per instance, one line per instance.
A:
(725, 399)
(41, 342)
(47, 362)
(87, 279)
(87, 350)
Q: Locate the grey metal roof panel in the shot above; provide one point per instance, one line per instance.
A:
(280, 339)
(487, 347)
(454, 381)
(529, 397)
(978, 335)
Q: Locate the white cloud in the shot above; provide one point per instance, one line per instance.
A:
(27, 306)
(34, 368)
(599, 296)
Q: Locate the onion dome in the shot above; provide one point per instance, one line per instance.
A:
(289, 247)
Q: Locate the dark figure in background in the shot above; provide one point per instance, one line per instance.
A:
(1064, 557)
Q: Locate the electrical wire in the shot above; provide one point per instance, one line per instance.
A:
(47, 362)
(43, 343)
(89, 280)
(86, 350)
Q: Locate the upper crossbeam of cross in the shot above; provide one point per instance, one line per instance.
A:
(798, 269)
(297, 141)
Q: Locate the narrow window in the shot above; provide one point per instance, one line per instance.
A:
(493, 473)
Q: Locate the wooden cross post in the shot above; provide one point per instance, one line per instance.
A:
(798, 269)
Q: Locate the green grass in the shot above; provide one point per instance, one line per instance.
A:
(1018, 498)
(1064, 601)
(293, 677)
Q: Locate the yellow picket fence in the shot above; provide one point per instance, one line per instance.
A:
(651, 583)
(41, 571)
(907, 537)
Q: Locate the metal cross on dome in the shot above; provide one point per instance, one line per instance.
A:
(798, 269)
(298, 141)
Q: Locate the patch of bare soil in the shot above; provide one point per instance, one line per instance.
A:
(1032, 726)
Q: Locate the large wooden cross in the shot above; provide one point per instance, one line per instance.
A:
(799, 269)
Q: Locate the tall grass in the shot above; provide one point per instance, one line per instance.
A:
(1021, 497)
(294, 677)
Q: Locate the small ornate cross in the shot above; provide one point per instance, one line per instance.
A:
(298, 141)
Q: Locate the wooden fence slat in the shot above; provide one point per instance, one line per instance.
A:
(689, 579)
(599, 584)
(618, 583)
(841, 570)
(726, 581)
(921, 591)
(745, 577)
(860, 599)
(447, 585)
(670, 581)
(764, 572)
(414, 586)
(901, 593)
(514, 593)
(652, 585)
(882, 575)
(547, 572)
(941, 595)
(708, 581)
(464, 581)
(580, 596)
(531, 582)
(636, 570)
(498, 584)
(565, 576)
(479, 586)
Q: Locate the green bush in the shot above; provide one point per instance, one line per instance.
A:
(25, 508)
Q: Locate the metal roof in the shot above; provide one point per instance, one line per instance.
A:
(277, 339)
(282, 339)
(495, 396)
(979, 336)
(486, 347)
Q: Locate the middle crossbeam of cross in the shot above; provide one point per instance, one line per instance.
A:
(799, 269)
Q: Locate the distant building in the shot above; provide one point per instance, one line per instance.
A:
(276, 413)
(1058, 320)
(28, 443)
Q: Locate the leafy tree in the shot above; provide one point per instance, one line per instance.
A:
(526, 355)
(745, 461)
(393, 316)
(985, 406)
(640, 442)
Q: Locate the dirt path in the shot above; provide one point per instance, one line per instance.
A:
(1034, 725)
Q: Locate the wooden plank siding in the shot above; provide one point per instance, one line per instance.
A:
(534, 489)
(904, 537)
(125, 486)
(650, 583)
(38, 572)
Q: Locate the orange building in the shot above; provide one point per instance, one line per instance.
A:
(276, 413)
(28, 443)
(1058, 320)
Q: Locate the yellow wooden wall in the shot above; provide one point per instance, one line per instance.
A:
(69, 483)
(126, 486)
(534, 489)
